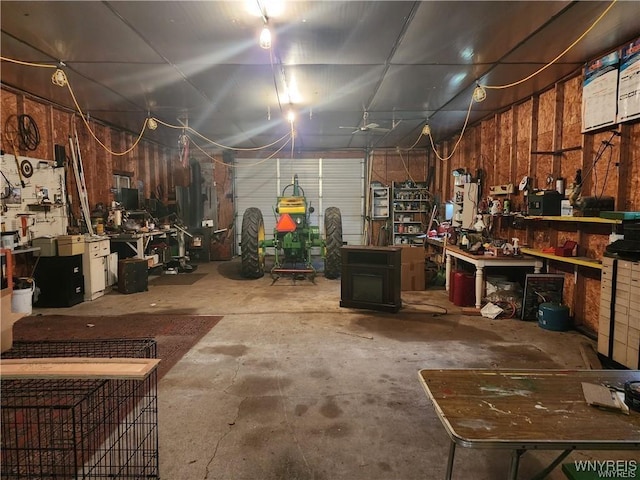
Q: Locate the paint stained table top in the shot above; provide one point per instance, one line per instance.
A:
(540, 408)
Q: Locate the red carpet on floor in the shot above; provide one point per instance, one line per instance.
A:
(175, 334)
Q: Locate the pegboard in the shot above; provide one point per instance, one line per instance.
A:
(41, 201)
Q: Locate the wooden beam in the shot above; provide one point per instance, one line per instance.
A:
(558, 123)
(533, 146)
(77, 368)
(624, 168)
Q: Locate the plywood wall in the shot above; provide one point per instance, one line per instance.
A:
(504, 146)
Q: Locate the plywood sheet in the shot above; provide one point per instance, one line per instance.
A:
(591, 298)
(572, 105)
(524, 113)
(77, 368)
(546, 113)
(488, 150)
(633, 177)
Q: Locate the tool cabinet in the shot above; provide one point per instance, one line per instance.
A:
(95, 267)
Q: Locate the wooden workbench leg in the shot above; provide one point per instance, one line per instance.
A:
(452, 453)
(538, 267)
(479, 286)
(447, 272)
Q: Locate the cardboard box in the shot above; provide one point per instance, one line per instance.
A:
(411, 254)
(412, 276)
(152, 260)
(70, 245)
(48, 246)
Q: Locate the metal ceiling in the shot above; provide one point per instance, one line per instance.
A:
(402, 62)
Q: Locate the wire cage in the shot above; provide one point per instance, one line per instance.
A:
(80, 429)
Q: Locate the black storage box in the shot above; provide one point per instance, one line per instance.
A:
(545, 202)
(631, 231)
(133, 275)
(60, 281)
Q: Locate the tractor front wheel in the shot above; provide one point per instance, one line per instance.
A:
(333, 242)
(252, 250)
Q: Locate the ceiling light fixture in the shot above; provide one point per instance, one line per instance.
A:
(291, 116)
(265, 38)
(479, 94)
(152, 123)
(426, 130)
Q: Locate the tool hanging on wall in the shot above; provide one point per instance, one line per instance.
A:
(29, 135)
(15, 154)
(80, 183)
(11, 136)
(24, 223)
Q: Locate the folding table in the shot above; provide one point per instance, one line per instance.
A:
(522, 410)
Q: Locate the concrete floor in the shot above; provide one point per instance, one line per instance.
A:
(291, 386)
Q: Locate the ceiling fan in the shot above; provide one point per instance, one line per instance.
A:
(368, 127)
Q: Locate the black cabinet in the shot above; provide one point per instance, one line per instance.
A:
(133, 275)
(371, 278)
(60, 281)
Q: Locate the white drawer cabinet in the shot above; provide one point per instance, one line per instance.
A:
(95, 267)
(619, 322)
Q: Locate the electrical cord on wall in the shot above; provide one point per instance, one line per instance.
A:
(606, 174)
(601, 150)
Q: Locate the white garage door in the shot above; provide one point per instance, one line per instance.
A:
(325, 182)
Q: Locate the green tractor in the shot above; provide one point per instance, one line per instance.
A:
(293, 238)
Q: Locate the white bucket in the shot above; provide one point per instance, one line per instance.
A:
(21, 299)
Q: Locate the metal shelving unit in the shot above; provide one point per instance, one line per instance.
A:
(379, 202)
(410, 212)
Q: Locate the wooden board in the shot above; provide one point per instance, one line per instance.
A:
(77, 368)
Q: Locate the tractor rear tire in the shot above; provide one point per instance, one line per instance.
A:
(333, 242)
(252, 253)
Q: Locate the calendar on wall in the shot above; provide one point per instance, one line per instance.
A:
(629, 82)
(599, 93)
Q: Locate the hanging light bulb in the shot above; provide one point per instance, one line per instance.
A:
(265, 38)
(291, 116)
(426, 130)
(152, 123)
(479, 94)
(59, 78)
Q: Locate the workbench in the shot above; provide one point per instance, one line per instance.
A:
(138, 242)
(520, 410)
(482, 261)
